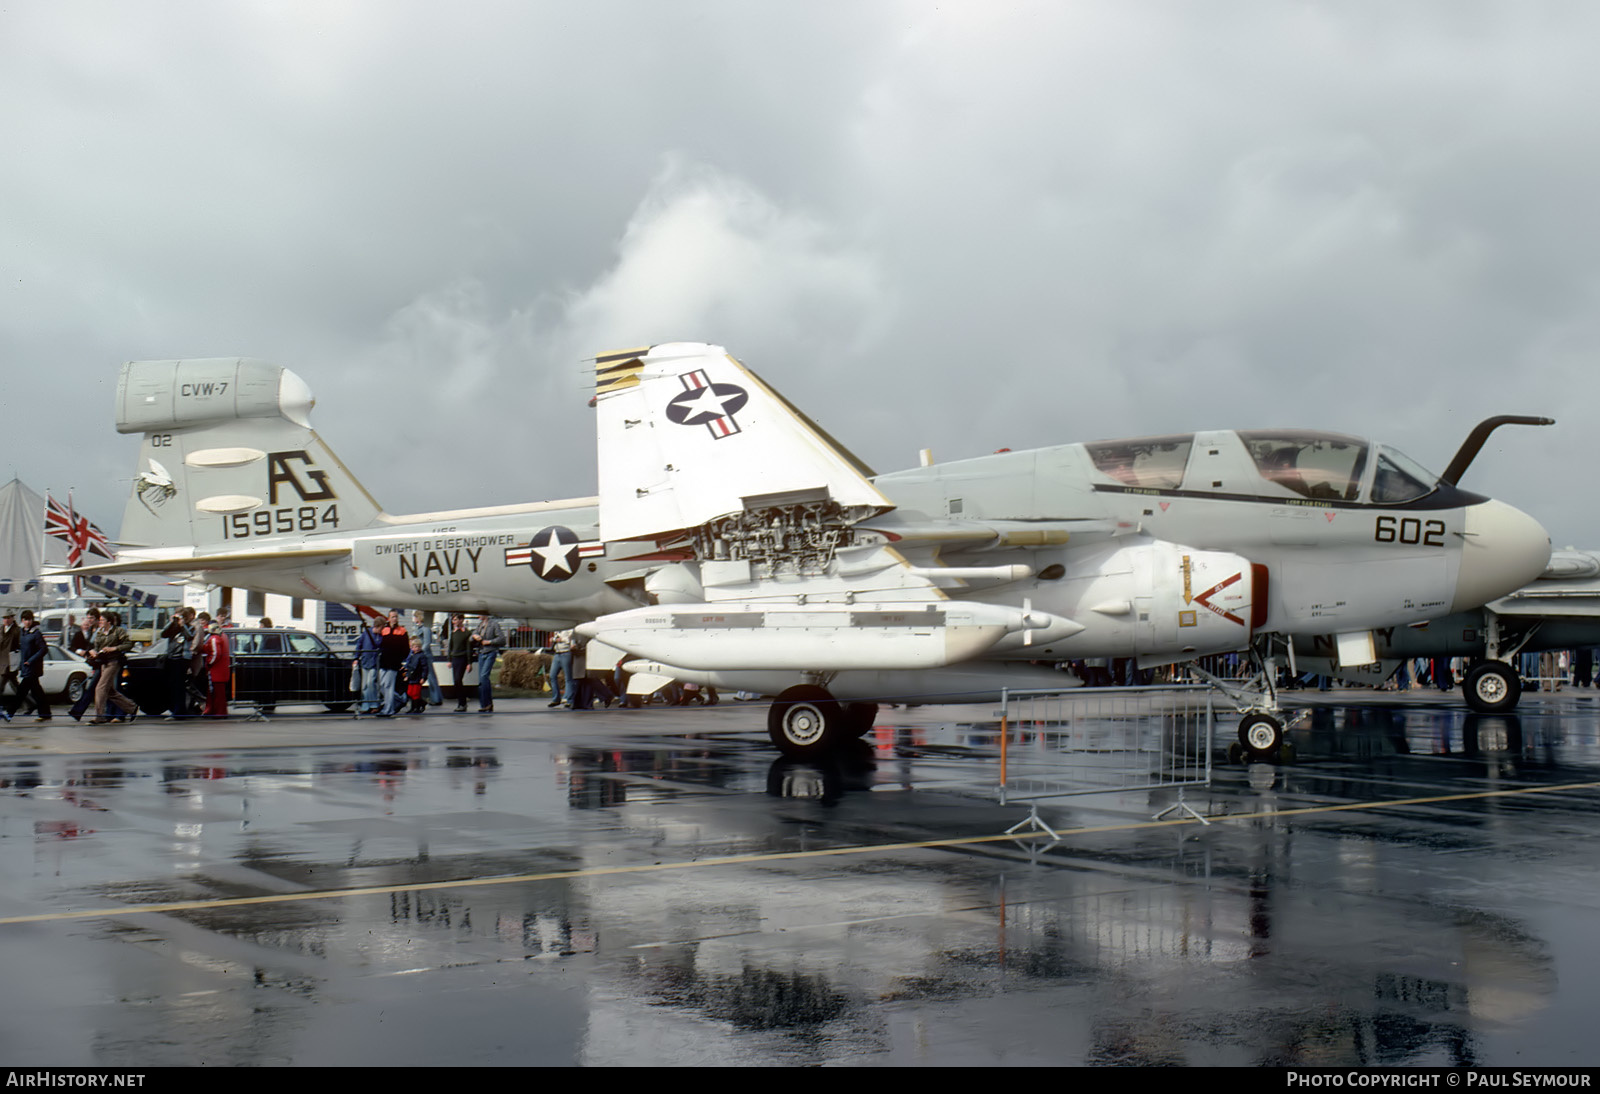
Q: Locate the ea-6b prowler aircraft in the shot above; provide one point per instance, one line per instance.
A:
(233, 486)
(801, 574)
(736, 543)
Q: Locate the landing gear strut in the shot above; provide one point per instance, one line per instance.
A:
(1493, 686)
(1261, 726)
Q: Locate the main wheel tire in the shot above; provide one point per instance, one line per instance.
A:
(859, 717)
(1260, 734)
(805, 721)
(75, 685)
(1491, 687)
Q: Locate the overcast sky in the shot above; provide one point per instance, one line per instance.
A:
(958, 225)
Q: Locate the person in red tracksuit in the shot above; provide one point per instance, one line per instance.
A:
(219, 667)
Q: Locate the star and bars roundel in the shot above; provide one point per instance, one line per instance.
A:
(709, 404)
(553, 553)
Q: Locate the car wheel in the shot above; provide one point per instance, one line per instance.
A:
(75, 685)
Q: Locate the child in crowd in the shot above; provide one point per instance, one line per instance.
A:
(415, 675)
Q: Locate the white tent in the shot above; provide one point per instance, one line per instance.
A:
(23, 550)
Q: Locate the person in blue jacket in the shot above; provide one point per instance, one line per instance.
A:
(367, 659)
(32, 656)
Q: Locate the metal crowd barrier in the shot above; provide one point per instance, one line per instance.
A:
(1073, 741)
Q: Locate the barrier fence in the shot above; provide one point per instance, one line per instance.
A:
(1073, 741)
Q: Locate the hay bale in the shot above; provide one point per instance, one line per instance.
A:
(523, 670)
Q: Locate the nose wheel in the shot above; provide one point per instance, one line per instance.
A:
(1261, 735)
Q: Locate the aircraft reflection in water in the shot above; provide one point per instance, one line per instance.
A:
(734, 543)
(1255, 944)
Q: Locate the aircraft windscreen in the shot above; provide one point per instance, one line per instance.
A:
(1322, 466)
(1153, 463)
(1400, 479)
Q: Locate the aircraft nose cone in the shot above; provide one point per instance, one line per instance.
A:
(1503, 549)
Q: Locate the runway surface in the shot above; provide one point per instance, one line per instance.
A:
(1418, 886)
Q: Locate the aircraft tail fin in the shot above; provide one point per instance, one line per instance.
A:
(688, 435)
(229, 455)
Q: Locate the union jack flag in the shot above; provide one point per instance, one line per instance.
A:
(81, 535)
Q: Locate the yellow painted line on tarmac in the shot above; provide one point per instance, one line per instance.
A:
(742, 860)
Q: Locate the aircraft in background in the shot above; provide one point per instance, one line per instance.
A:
(234, 487)
(788, 568)
(1558, 611)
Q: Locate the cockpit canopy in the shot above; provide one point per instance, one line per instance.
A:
(1322, 466)
(1328, 467)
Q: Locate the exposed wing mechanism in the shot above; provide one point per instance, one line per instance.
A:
(698, 453)
(689, 438)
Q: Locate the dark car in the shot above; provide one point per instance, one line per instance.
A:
(269, 667)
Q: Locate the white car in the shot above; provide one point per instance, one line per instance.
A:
(65, 674)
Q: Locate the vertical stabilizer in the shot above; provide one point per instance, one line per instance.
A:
(229, 456)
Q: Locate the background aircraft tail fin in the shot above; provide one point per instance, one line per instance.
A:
(229, 455)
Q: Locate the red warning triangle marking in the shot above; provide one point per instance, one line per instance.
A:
(1203, 598)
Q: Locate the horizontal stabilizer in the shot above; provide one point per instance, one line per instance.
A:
(205, 564)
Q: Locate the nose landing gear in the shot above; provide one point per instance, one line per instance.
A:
(1261, 734)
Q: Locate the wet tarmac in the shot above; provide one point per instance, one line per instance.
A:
(1418, 886)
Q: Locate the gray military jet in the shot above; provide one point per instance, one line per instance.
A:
(233, 486)
(736, 544)
(797, 572)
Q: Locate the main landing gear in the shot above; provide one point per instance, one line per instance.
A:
(806, 721)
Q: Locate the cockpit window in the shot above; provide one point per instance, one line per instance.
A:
(1155, 463)
(1399, 479)
(1323, 466)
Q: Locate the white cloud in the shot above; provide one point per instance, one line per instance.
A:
(709, 258)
